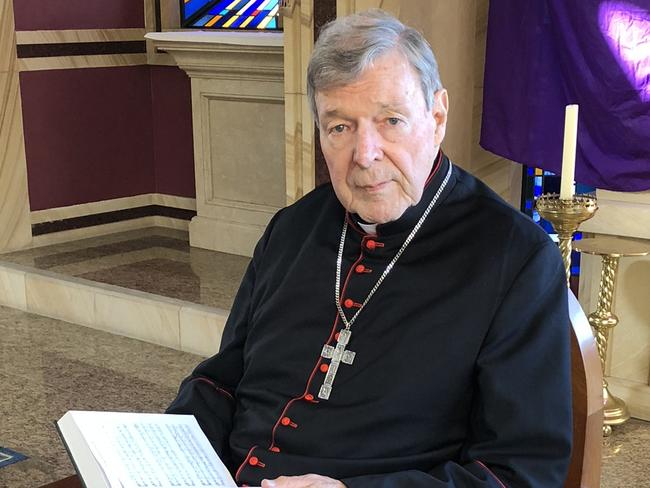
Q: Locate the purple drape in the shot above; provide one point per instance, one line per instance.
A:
(545, 54)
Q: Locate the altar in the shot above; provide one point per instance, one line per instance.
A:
(238, 127)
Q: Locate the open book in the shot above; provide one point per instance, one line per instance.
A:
(141, 450)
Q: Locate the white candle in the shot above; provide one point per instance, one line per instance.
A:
(569, 152)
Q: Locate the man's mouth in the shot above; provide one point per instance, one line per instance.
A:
(375, 187)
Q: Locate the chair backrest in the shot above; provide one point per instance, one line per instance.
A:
(587, 381)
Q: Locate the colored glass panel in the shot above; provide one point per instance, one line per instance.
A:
(220, 8)
(190, 7)
(231, 14)
(202, 21)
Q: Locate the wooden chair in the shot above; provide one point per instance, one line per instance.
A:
(587, 380)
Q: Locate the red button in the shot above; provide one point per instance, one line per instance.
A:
(285, 421)
(309, 397)
(324, 368)
(275, 449)
(336, 336)
(370, 244)
(253, 461)
(348, 303)
(360, 268)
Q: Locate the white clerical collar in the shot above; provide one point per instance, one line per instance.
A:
(368, 228)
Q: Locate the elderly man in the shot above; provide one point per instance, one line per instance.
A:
(401, 327)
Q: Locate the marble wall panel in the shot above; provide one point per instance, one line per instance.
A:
(7, 38)
(299, 125)
(78, 62)
(169, 20)
(135, 316)
(68, 300)
(72, 36)
(171, 223)
(201, 330)
(630, 342)
(14, 204)
(621, 214)
(247, 122)
(12, 287)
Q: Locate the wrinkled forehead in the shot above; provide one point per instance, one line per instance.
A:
(388, 83)
(333, 76)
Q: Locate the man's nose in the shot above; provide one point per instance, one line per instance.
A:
(368, 148)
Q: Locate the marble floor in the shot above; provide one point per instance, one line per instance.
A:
(49, 366)
(154, 260)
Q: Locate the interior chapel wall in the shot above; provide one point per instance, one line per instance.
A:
(101, 126)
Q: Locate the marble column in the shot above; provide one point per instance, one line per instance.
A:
(298, 122)
(15, 226)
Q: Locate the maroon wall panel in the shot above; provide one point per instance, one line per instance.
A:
(88, 134)
(78, 14)
(172, 131)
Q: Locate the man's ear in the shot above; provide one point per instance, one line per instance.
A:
(439, 111)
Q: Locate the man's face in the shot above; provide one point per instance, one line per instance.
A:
(379, 139)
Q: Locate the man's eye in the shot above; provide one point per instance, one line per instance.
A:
(393, 121)
(338, 128)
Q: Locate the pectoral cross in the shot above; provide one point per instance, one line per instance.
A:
(337, 354)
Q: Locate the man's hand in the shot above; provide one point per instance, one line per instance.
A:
(305, 481)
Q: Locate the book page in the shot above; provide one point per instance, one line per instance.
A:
(152, 450)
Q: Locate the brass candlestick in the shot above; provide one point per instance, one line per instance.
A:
(603, 319)
(566, 216)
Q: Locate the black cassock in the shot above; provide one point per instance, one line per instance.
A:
(461, 376)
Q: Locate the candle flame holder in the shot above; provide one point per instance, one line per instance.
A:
(566, 216)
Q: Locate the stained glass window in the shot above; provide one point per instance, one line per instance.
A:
(231, 14)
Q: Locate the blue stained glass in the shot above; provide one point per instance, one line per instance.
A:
(222, 21)
(219, 8)
(196, 13)
(238, 22)
(258, 19)
(239, 6)
(251, 8)
(193, 6)
(202, 21)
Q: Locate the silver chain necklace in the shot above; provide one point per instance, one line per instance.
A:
(339, 354)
